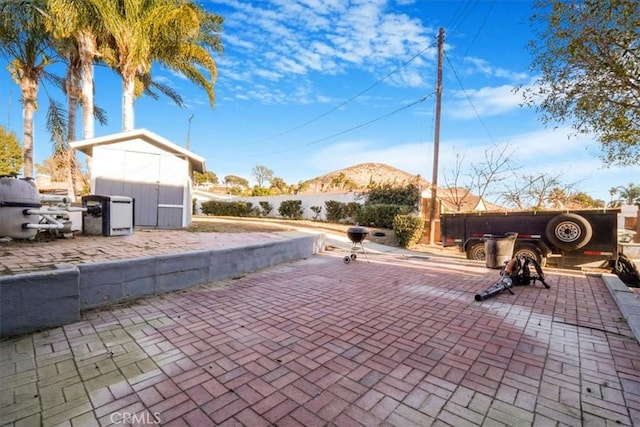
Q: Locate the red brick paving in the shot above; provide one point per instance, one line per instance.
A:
(397, 341)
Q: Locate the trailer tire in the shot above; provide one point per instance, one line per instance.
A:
(569, 231)
(532, 251)
(475, 251)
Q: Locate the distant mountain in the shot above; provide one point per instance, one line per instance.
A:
(359, 177)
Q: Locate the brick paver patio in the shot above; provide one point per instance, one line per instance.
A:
(397, 341)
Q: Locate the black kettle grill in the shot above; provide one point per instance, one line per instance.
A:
(356, 235)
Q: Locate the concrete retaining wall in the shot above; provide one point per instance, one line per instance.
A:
(35, 301)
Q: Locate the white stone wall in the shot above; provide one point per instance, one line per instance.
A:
(308, 200)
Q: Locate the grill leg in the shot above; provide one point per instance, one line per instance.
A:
(354, 248)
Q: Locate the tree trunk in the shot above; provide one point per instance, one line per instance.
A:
(127, 102)
(29, 88)
(87, 51)
(73, 90)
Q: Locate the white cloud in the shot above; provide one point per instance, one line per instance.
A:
(484, 102)
(479, 65)
(306, 36)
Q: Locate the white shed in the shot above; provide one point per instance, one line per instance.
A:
(155, 172)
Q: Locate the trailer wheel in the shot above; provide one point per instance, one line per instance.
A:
(475, 251)
(532, 251)
(569, 231)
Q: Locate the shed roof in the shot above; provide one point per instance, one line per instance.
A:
(86, 145)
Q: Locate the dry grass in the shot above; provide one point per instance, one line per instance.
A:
(249, 225)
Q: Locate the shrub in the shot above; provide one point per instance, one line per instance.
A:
(381, 215)
(340, 212)
(316, 210)
(335, 210)
(291, 209)
(408, 229)
(218, 208)
(265, 208)
(388, 195)
(352, 212)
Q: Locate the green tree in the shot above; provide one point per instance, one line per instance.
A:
(236, 181)
(78, 28)
(588, 56)
(260, 191)
(279, 186)
(27, 46)
(557, 198)
(582, 200)
(203, 178)
(387, 194)
(629, 195)
(10, 153)
(176, 33)
(77, 32)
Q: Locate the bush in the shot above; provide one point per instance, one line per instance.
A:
(408, 229)
(352, 212)
(215, 207)
(339, 212)
(381, 215)
(388, 195)
(291, 209)
(335, 210)
(316, 210)
(265, 208)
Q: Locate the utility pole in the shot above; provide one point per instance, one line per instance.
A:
(189, 132)
(433, 211)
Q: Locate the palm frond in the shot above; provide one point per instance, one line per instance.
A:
(57, 125)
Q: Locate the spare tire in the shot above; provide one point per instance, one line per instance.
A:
(569, 231)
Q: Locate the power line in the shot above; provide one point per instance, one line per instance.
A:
(418, 101)
(468, 98)
(351, 129)
(342, 104)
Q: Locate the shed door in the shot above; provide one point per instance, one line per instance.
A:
(170, 206)
(139, 180)
(142, 174)
(152, 181)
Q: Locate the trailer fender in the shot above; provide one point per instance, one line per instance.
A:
(569, 231)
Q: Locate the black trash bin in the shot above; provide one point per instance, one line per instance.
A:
(499, 249)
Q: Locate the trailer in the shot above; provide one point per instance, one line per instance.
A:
(567, 239)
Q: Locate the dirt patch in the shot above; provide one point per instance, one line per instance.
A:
(380, 236)
(248, 225)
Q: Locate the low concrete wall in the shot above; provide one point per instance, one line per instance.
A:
(626, 301)
(35, 301)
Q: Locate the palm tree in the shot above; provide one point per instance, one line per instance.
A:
(76, 23)
(176, 33)
(75, 27)
(612, 192)
(26, 44)
(557, 197)
(630, 194)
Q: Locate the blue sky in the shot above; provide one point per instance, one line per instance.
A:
(308, 87)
